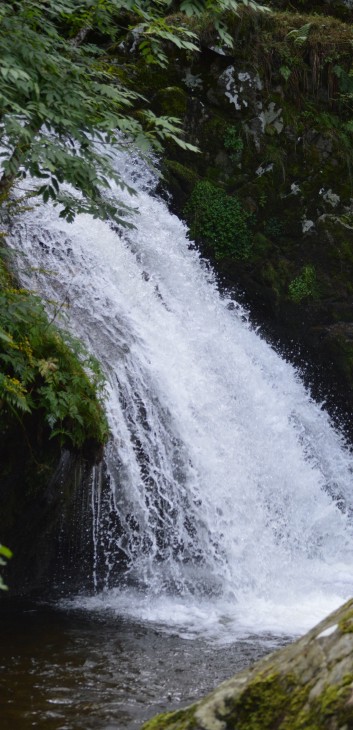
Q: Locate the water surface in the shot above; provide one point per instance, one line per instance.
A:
(76, 670)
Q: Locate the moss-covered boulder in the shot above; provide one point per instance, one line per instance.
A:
(305, 686)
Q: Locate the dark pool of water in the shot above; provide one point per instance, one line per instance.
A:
(74, 670)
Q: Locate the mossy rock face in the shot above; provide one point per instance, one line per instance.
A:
(337, 345)
(180, 180)
(274, 133)
(171, 101)
(305, 686)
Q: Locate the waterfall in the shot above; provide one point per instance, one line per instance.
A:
(228, 505)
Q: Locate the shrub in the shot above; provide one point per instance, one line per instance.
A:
(233, 143)
(220, 221)
(47, 371)
(304, 285)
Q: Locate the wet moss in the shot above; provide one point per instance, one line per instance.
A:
(171, 101)
(329, 710)
(179, 180)
(180, 720)
(263, 702)
(273, 702)
(346, 624)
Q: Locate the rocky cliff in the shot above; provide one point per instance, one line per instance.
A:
(269, 196)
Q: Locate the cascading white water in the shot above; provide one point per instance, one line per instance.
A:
(230, 487)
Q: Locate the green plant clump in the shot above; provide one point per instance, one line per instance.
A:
(274, 228)
(304, 285)
(46, 371)
(220, 221)
(233, 143)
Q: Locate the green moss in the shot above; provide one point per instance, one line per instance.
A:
(274, 278)
(326, 711)
(233, 143)
(263, 701)
(338, 233)
(214, 128)
(186, 176)
(272, 702)
(346, 624)
(185, 173)
(171, 101)
(179, 720)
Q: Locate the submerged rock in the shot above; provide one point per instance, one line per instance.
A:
(305, 686)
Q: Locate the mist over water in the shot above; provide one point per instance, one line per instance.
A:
(231, 492)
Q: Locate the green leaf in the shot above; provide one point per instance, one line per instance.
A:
(285, 72)
(300, 35)
(6, 552)
(5, 337)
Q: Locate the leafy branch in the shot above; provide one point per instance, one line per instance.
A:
(63, 100)
(62, 103)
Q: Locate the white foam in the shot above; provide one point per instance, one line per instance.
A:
(232, 489)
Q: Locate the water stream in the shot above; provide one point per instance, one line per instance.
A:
(71, 670)
(230, 493)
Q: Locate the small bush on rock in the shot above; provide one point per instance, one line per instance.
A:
(47, 371)
(220, 221)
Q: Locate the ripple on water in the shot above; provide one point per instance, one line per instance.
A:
(74, 670)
